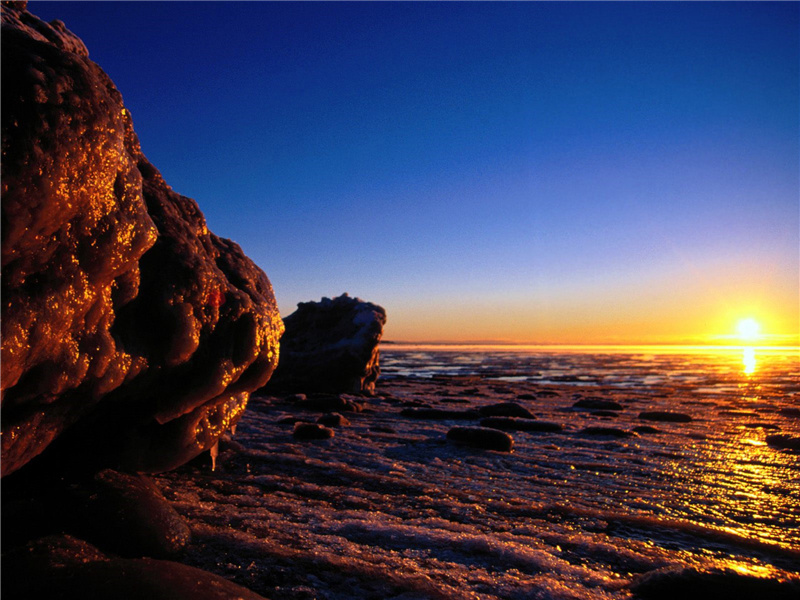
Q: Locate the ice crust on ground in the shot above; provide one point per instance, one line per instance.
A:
(373, 514)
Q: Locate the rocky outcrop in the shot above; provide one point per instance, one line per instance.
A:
(63, 567)
(129, 330)
(330, 346)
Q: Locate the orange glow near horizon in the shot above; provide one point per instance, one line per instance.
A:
(579, 321)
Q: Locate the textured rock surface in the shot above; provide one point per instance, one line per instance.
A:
(331, 346)
(65, 567)
(124, 319)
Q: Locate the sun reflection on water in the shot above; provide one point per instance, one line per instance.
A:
(749, 360)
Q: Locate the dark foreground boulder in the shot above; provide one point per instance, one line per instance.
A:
(126, 323)
(696, 584)
(330, 346)
(62, 567)
(482, 437)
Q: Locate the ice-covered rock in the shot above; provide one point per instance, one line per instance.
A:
(331, 346)
(126, 323)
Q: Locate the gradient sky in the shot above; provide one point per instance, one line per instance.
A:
(541, 172)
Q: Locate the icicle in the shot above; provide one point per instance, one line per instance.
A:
(233, 430)
(214, 451)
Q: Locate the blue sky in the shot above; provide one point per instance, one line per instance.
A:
(598, 172)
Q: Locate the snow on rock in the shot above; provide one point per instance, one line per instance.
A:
(125, 321)
(331, 346)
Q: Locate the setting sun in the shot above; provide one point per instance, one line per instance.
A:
(748, 329)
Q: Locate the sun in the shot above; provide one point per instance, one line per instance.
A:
(748, 329)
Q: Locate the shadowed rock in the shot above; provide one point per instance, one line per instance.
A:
(695, 584)
(312, 431)
(784, 441)
(506, 409)
(128, 515)
(440, 414)
(331, 346)
(597, 404)
(517, 424)
(125, 321)
(62, 567)
(482, 437)
(665, 416)
(607, 432)
(333, 420)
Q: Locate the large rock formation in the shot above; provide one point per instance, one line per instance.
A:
(330, 346)
(128, 327)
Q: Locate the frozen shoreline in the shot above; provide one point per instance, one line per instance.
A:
(389, 508)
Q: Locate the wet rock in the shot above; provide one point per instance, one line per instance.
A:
(506, 409)
(124, 319)
(784, 441)
(440, 414)
(646, 429)
(665, 416)
(604, 413)
(288, 420)
(382, 429)
(333, 420)
(518, 424)
(62, 567)
(482, 437)
(607, 432)
(331, 346)
(597, 404)
(790, 412)
(128, 515)
(312, 431)
(694, 584)
(769, 426)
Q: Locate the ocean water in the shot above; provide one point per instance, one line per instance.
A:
(390, 508)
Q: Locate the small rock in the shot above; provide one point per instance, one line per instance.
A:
(790, 412)
(607, 431)
(605, 413)
(770, 426)
(439, 414)
(597, 404)
(526, 397)
(295, 398)
(517, 424)
(288, 420)
(506, 409)
(333, 420)
(329, 403)
(646, 429)
(784, 441)
(312, 431)
(382, 429)
(482, 437)
(666, 416)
